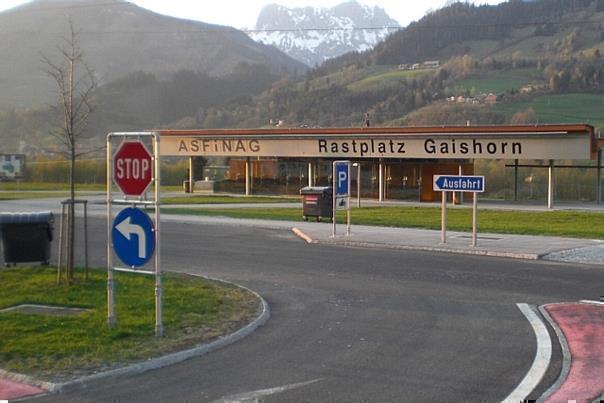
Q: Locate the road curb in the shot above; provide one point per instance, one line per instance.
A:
(566, 357)
(302, 235)
(514, 255)
(159, 362)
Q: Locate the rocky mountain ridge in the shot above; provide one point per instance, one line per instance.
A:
(313, 35)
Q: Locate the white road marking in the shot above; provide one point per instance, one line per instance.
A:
(254, 396)
(587, 301)
(542, 357)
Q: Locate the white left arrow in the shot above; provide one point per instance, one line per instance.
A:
(127, 229)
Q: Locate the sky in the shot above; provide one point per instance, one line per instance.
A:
(243, 13)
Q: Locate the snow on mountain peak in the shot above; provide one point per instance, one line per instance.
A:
(313, 35)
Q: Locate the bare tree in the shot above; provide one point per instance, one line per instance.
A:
(75, 89)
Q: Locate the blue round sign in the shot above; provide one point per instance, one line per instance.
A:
(133, 237)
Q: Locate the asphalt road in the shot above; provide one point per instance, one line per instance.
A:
(353, 324)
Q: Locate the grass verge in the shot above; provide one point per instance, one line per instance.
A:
(224, 199)
(57, 348)
(550, 223)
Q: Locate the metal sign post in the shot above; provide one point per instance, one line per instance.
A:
(463, 184)
(132, 235)
(341, 192)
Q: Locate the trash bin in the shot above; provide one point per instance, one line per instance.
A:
(26, 237)
(186, 186)
(317, 202)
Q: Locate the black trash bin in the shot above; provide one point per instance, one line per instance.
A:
(317, 202)
(26, 237)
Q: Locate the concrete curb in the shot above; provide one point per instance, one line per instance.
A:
(363, 244)
(566, 357)
(514, 255)
(159, 362)
(302, 235)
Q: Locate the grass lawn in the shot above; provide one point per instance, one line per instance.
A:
(552, 223)
(561, 108)
(48, 186)
(16, 195)
(217, 199)
(55, 347)
(39, 190)
(382, 79)
(499, 82)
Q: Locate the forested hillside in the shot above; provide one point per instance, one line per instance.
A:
(518, 62)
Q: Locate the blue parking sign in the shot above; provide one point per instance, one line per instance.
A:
(342, 178)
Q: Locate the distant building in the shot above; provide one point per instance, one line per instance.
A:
(431, 64)
(12, 166)
(490, 99)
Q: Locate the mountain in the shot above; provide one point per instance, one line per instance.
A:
(117, 38)
(313, 35)
(483, 64)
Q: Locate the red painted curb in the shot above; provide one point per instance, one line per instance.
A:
(583, 328)
(15, 390)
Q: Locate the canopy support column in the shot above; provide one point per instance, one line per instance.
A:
(550, 185)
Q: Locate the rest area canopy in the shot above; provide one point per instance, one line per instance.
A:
(548, 142)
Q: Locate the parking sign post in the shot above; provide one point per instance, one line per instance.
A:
(341, 192)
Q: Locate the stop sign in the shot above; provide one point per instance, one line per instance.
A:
(132, 168)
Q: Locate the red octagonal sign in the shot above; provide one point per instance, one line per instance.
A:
(132, 168)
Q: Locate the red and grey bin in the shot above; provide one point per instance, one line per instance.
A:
(317, 202)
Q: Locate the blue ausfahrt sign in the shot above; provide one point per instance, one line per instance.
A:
(133, 237)
(456, 183)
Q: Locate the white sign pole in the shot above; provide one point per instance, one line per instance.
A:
(474, 219)
(159, 326)
(111, 319)
(333, 198)
(348, 202)
(443, 218)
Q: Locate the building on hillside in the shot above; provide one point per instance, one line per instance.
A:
(431, 64)
(490, 99)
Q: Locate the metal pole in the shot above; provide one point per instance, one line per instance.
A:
(550, 185)
(443, 218)
(247, 177)
(333, 198)
(159, 327)
(348, 203)
(191, 176)
(60, 254)
(460, 194)
(515, 180)
(359, 185)
(86, 236)
(381, 181)
(599, 178)
(310, 177)
(474, 218)
(111, 319)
